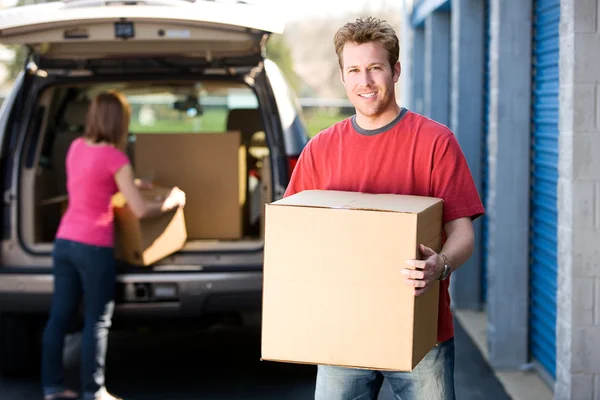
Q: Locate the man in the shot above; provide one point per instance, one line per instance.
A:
(387, 149)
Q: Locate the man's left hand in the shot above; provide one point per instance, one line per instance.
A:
(424, 272)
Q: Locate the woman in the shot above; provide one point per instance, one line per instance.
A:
(84, 265)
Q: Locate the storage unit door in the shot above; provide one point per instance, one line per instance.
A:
(544, 179)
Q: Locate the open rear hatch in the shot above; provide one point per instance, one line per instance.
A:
(82, 34)
(109, 38)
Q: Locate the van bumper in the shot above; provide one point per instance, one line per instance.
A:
(173, 294)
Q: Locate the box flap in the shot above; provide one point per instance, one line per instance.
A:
(359, 201)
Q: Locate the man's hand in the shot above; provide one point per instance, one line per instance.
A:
(424, 272)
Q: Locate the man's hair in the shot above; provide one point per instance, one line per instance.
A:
(108, 119)
(366, 30)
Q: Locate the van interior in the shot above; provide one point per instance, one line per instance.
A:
(207, 137)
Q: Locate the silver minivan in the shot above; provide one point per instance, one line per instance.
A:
(185, 66)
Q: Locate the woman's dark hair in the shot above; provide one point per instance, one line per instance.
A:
(108, 119)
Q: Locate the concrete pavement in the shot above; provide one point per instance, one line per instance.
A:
(225, 365)
(473, 377)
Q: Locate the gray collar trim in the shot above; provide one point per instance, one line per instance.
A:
(377, 131)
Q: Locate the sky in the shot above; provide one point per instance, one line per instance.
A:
(301, 9)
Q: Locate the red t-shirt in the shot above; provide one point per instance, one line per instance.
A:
(412, 155)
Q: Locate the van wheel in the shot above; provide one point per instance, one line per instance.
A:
(20, 344)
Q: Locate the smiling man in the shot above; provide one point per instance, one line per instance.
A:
(385, 148)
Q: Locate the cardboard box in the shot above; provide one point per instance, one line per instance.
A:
(145, 241)
(333, 290)
(209, 167)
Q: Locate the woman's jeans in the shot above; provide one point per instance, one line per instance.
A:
(432, 379)
(81, 272)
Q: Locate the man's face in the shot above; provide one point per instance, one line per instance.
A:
(368, 78)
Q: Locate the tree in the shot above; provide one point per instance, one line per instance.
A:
(279, 52)
(17, 64)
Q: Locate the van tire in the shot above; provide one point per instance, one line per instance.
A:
(20, 344)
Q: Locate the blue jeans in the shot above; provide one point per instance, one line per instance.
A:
(80, 272)
(432, 379)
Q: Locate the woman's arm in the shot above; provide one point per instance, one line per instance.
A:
(139, 206)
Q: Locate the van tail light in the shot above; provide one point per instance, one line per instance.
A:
(292, 161)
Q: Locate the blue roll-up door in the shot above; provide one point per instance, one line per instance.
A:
(484, 152)
(544, 180)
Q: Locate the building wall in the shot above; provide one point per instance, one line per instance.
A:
(418, 71)
(578, 327)
(437, 67)
(405, 83)
(578, 305)
(454, 60)
(508, 191)
(466, 121)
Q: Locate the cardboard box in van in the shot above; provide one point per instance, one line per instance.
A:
(333, 290)
(209, 167)
(145, 241)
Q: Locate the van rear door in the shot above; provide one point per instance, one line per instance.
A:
(10, 107)
(80, 30)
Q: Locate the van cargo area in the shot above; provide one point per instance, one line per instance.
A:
(208, 138)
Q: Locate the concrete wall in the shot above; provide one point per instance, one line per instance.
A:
(437, 67)
(578, 307)
(404, 88)
(508, 195)
(578, 325)
(418, 71)
(466, 121)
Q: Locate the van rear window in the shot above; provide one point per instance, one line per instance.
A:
(193, 112)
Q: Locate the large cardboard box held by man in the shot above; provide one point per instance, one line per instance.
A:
(144, 241)
(333, 288)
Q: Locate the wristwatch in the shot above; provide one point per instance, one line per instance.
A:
(447, 268)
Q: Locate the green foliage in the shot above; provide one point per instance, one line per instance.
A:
(17, 63)
(16, 66)
(215, 120)
(168, 120)
(321, 118)
(279, 52)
